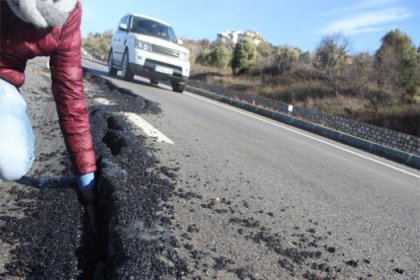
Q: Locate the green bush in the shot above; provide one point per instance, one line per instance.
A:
(278, 62)
(203, 56)
(245, 56)
(285, 57)
(264, 49)
(220, 56)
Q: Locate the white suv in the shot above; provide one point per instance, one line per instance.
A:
(148, 47)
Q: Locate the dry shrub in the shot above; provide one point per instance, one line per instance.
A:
(207, 74)
(340, 105)
(293, 92)
(403, 118)
(245, 84)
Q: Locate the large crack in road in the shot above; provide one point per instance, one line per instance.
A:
(135, 242)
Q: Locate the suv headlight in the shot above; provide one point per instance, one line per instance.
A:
(143, 45)
(184, 56)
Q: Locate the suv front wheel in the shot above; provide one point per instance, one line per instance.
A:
(111, 69)
(126, 71)
(178, 87)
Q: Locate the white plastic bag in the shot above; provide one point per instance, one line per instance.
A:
(17, 141)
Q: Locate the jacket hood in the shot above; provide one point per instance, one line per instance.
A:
(42, 13)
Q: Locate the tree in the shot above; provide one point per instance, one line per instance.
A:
(356, 74)
(245, 56)
(331, 52)
(397, 64)
(330, 56)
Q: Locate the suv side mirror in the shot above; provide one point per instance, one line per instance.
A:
(180, 42)
(123, 27)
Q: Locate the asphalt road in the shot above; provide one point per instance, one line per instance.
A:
(253, 194)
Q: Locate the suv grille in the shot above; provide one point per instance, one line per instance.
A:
(165, 51)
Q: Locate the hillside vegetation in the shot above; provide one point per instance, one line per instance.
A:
(382, 88)
(98, 44)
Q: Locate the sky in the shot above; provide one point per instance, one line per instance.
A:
(295, 23)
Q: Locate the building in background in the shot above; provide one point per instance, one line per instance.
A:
(234, 36)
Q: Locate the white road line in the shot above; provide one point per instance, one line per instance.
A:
(103, 101)
(147, 128)
(298, 132)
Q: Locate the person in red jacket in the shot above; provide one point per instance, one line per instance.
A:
(30, 28)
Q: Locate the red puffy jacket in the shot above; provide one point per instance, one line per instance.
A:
(20, 41)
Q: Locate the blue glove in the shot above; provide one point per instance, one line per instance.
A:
(86, 181)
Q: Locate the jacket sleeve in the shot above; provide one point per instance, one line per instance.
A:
(67, 88)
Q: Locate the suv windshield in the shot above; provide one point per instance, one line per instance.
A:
(152, 28)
